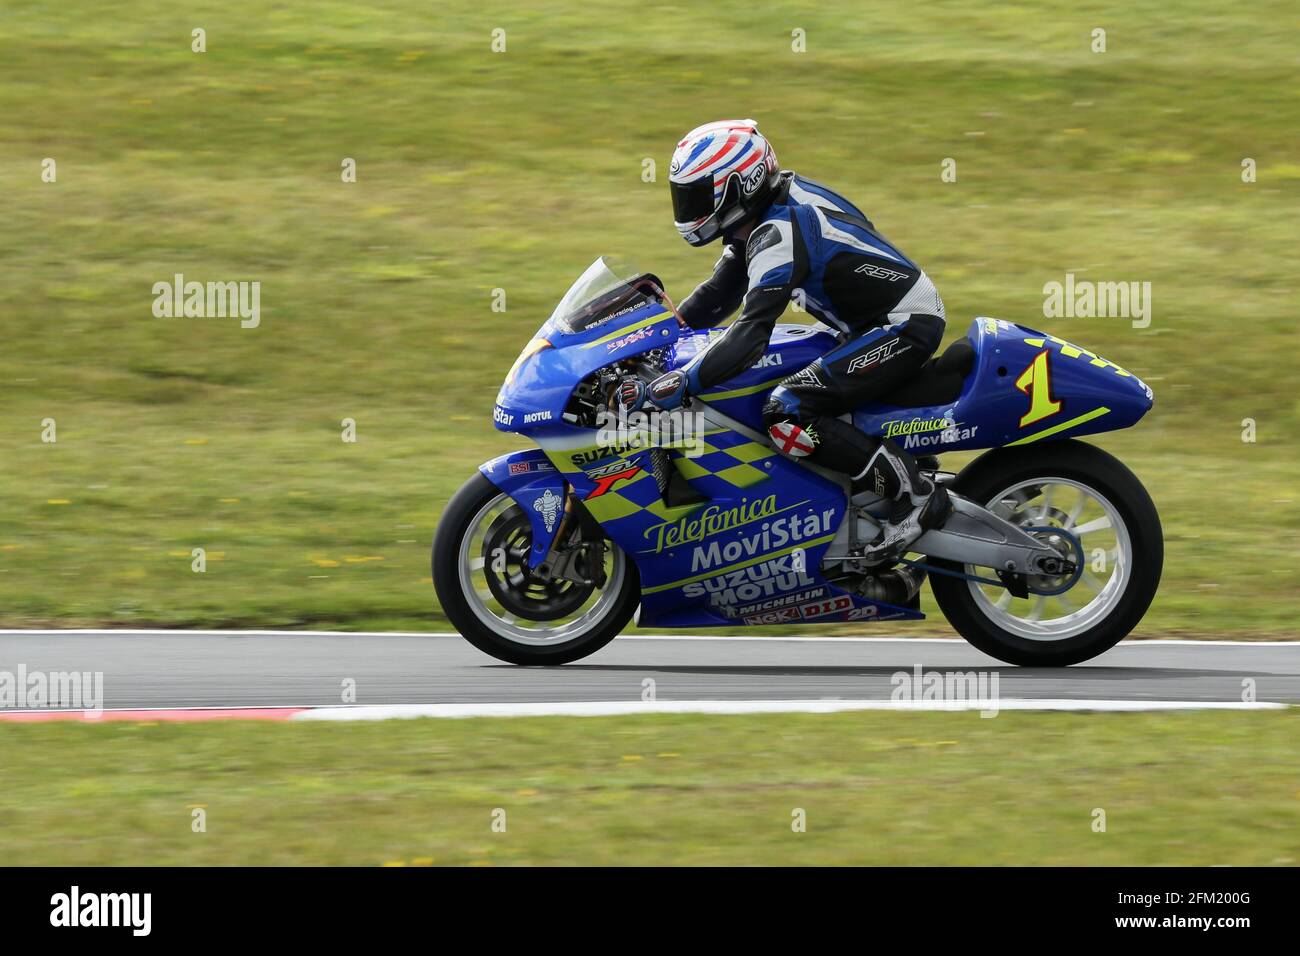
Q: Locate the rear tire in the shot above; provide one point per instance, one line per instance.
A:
(458, 518)
(986, 627)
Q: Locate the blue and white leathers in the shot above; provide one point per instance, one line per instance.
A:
(814, 247)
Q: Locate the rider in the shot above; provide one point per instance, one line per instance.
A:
(787, 237)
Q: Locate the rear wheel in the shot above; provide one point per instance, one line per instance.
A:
(1086, 504)
(514, 612)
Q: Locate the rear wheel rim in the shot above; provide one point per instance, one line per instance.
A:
(474, 567)
(1082, 510)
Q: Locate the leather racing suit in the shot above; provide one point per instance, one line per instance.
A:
(814, 246)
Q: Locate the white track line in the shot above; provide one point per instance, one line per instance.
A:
(614, 708)
(811, 638)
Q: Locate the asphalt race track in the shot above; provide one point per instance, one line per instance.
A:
(181, 669)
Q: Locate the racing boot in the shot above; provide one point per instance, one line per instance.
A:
(919, 504)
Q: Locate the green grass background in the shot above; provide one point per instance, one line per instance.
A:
(480, 170)
(1182, 789)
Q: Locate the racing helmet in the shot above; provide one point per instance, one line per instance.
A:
(722, 174)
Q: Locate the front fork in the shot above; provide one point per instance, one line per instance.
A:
(577, 552)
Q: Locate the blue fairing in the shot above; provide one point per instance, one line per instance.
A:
(744, 545)
(1087, 394)
(528, 477)
(534, 394)
(748, 555)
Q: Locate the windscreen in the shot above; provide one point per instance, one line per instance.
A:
(606, 289)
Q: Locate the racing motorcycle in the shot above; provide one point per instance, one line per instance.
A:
(1051, 555)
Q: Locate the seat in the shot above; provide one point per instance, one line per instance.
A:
(940, 380)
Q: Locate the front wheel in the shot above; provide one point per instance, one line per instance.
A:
(508, 610)
(1084, 502)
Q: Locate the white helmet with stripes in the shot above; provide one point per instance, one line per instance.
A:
(722, 174)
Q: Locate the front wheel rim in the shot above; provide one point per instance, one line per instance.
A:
(473, 568)
(1107, 548)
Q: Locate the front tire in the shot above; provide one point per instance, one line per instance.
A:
(492, 598)
(1121, 571)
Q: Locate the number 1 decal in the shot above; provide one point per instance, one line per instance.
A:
(1036, 382)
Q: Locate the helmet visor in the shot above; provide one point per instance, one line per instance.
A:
(692, 201)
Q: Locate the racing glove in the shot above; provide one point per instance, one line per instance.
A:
(666, 392)
(630, 395)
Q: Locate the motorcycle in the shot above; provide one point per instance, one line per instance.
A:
(1051, 555)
